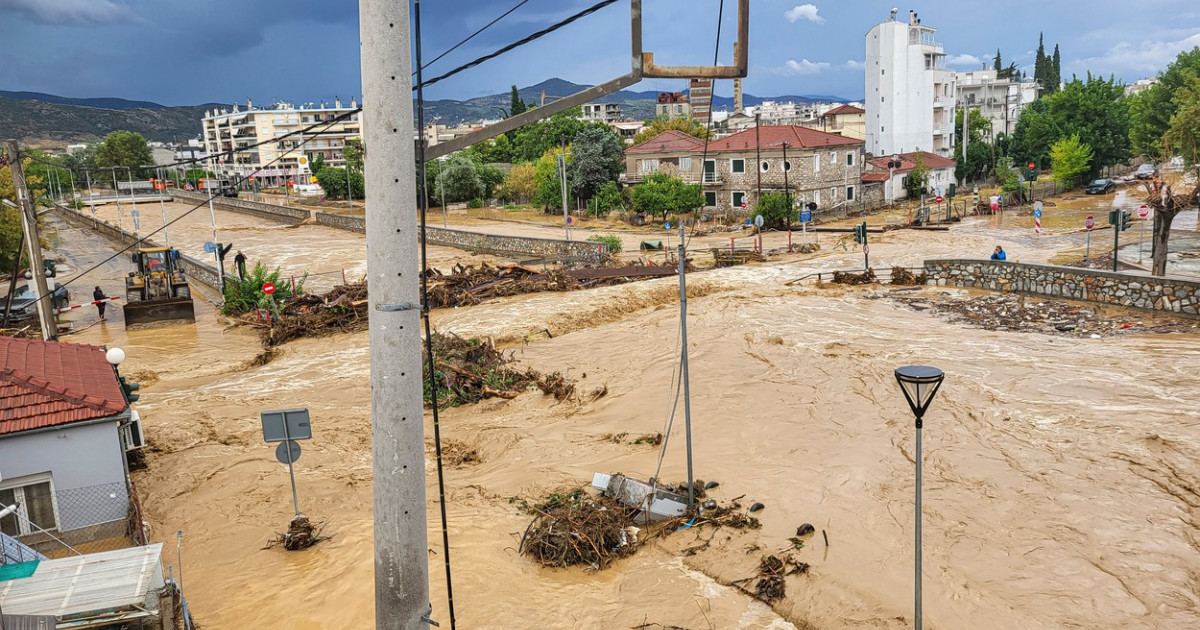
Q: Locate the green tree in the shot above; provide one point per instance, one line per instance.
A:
(242, 296)
(979, 129)
(533, 140)
(917, 177)
(978, 163)
(516, 103)
(317, 163)
(459, 180)
(1183, 134)
(352, 152)
(1040, 67)
(1094, 109)
(498, 149)
(775, 208)
(666, 123)
(492, 178)
(10, 221)
(595, 160)
(662, 194)
(1070, 158)
(124, 149)
(548, 181)
(607, 199)
(334, 182)
(1151, 110)
(997, 63)
(1055, 71)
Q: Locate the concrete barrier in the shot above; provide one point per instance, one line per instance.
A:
(283, 214)
(1168, 294)
(195, 270)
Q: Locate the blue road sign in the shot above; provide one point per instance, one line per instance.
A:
(806, 216)
(1037, 214)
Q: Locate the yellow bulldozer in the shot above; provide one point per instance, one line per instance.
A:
(157, 290)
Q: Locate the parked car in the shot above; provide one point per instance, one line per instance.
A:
(1145, 171)
(23, 306)
(1101, 186)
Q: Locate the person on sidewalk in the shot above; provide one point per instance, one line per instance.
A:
(999, 254)
(100, 299)
(240, 261)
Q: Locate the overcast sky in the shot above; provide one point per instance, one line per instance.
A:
(182, 52)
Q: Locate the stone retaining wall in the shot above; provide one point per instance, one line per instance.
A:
(1167, 294)
(342, 222)
(276, 212)
(195, 270)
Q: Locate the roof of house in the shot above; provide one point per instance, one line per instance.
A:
(666, 142)
(110, 583)
(773, 138)
(47, 383)
(875, 177)
(844, 109)
(908, 161)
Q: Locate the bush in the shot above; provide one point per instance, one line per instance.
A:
(475, 202)
(611, 241)
(243, 296)
(775, 209)
(607, 199)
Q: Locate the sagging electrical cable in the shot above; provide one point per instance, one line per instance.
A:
(423, 200)
(471, 36)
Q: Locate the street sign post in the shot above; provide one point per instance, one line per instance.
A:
(1089, 223)
(1143, 212)
(286, 426)
(1037, 217)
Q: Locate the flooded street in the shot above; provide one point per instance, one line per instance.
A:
(1061, 474)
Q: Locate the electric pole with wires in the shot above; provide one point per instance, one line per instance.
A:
(41, 291)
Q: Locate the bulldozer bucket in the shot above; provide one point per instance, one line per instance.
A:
(181, 310)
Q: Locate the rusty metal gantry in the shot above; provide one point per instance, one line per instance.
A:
(643, 67)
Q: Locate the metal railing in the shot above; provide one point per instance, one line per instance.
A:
(78, 521)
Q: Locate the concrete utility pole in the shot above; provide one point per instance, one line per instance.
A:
(562, 160)
(45, 303)
(397, 409)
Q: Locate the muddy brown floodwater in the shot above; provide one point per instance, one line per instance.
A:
(1061, 475)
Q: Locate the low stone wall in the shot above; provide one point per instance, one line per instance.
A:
(1168, 294)
(195, 270)
(276, 212)
(342, 222)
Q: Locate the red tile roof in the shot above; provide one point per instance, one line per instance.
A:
(875, 177)
(907, 161)
(844, 109)
(772, 138)
(668, 141)
(46, 384)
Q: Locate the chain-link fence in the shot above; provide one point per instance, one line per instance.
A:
(79, 520)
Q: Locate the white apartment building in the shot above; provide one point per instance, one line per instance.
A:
(999, 100)
(910, 93)
(237, 130)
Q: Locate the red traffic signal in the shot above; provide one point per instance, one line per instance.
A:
(1031, 166)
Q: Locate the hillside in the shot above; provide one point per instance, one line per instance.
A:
(55, 125)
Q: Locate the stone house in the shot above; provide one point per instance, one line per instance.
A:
(941, 174)
(820, 167)
(65, 429)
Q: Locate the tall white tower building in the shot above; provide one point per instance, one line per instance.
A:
(910, 93)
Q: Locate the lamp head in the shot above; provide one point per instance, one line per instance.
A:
(114, 356)
(919, 383)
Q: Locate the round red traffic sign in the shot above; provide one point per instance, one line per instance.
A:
(1089, 222)
(1143, 211)
(938, 199)
(743, 203)
(268, 288)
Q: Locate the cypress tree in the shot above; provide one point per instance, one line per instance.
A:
(1056, 70)
(1040, 65)
(517, 104)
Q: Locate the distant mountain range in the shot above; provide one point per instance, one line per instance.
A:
(52, 122)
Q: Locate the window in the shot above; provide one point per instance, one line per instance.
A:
(833, 157)
(849, 158)
(710, 198)
(649, 166)
(710, 172)
(685, 164)
(849, 193)
(737, 198)
(35, 497)
(882, 99)
(817, 197)
(765, 166)
(881, 129)
(816, 163)
(737, 165)
(787, 165)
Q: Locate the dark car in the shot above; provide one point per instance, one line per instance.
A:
(23, 306)
(1145, 171)
(1101, 186)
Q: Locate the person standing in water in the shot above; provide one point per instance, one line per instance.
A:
(99, 297)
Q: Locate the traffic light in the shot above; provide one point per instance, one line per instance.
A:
(1125, 217)
(860, 233)
(1032, 166)
(128, 388)
(1114, 217)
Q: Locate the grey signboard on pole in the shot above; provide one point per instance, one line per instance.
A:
(286, 424)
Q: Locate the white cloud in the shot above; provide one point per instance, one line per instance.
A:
(68, 11)
(804, 12)
(1146, 58)
(854, 65)
(964, 60)
(804, 66)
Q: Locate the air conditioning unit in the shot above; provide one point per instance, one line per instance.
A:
(132, 436)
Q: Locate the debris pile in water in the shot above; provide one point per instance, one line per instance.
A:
(768, 583)
(301, 534)
(578, 529)
(1020, 313)
(344, 309)
(470, 370)
(468, 285)
(904, 277)
(848, 277)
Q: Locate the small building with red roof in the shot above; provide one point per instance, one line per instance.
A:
(818, 167)
(895, 178)
(65, 428)
(845, 120)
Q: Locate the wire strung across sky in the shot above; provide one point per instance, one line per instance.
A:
(471, 36)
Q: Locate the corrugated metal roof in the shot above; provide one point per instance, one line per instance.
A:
(45, 384)
(92, 582)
